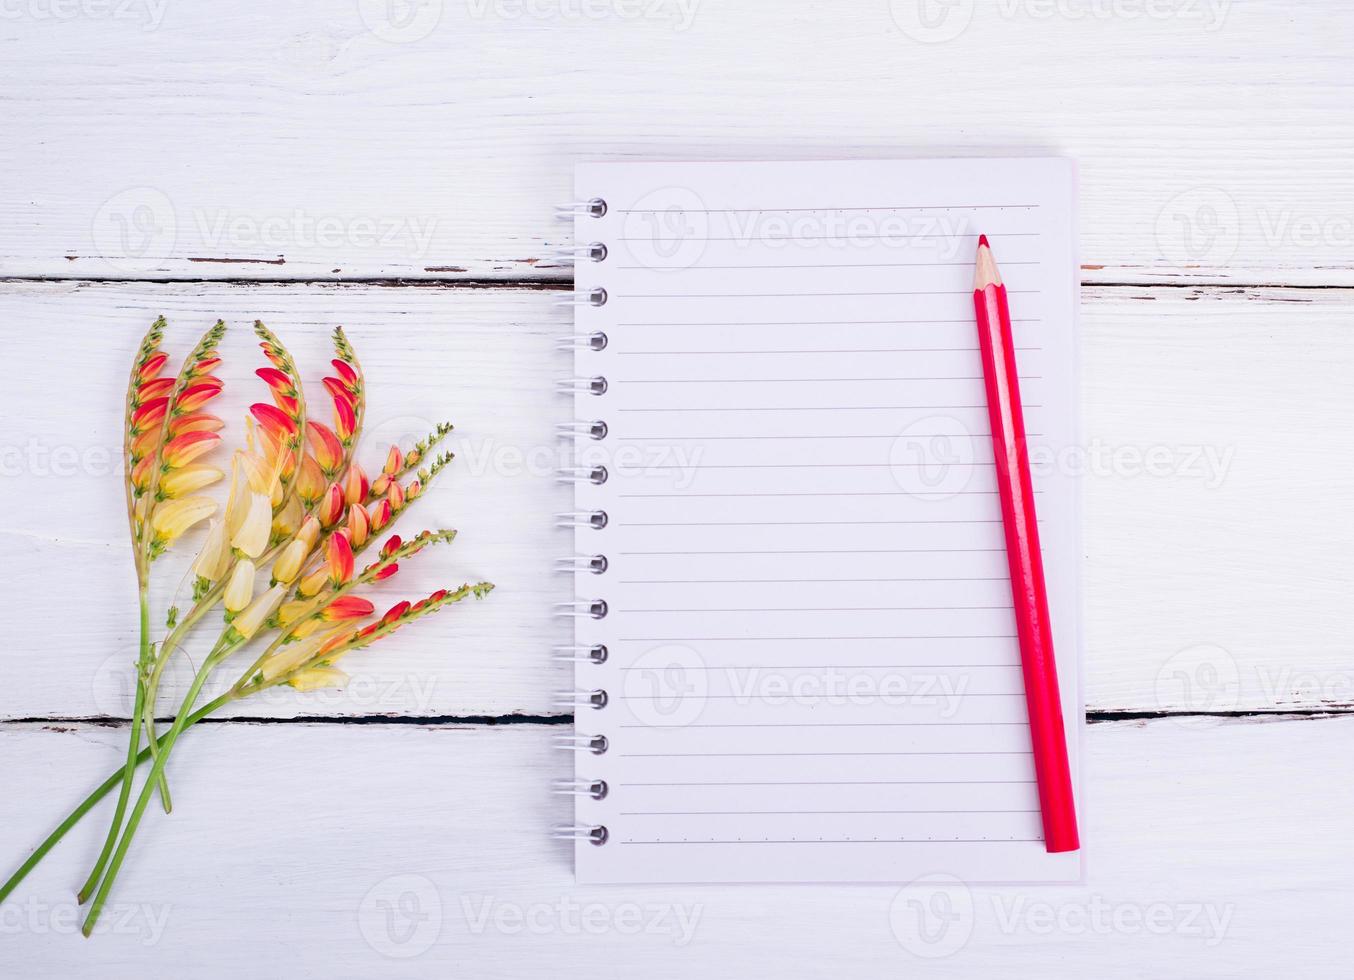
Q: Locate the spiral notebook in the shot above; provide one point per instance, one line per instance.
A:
(794, 649)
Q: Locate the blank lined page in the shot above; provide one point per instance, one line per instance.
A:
(812, 671)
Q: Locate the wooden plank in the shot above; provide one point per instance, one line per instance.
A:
(329, 140)
(1218, 549)
(341, 850)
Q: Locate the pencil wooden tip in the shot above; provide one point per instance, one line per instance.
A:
(985, 271)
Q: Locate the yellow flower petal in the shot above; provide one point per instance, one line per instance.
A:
(252, 536)
(172, 517)
(248, 622)
(317, 677)
(212, 560)
(240, 588)
(288, 564)
(176, 483)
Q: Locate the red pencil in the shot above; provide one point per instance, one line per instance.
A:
(1007, 421)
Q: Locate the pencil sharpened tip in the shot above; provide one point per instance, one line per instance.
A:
(982, 240)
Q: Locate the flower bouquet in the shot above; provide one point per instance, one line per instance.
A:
(285, 562)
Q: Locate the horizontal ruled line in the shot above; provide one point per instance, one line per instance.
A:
(904, 292)
(809, 812)
(817, 408)
(843, 435)
(722, 639)
(814, 609)
(829, 551)
(871, 207)
(852, 782)
(757, 381)
(967, 321)
(722, 755)
(856, 840)
(833, 265)
(754, 239)
(843, 724)
(811, 466)
(777, 813)
(862, 350)
(994, 520)
(836, 667)
(802, 581)
(827, 493)
(744, 697)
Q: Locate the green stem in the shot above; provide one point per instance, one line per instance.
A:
(171, 642)
(133, 746)
(139, 810)
(103, 790)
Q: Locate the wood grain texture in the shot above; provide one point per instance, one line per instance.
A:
(343, 851)
(1217, 545)
(330, 140)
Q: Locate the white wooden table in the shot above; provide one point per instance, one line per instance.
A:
(393, 169)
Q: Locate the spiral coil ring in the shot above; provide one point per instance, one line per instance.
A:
(597, 789)
(595, 207)
(597, 653)
(595, 519)
(596, 296)
(596, 340)
(593, 252)
(596, 564)
(574, 386)
(595, 430)
(596, 834)
(596, 744)
(596, 699)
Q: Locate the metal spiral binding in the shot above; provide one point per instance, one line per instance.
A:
(597, 564)
(596, 475)
(597, 653)
(593, 341)
(596, 744)
(574, 386)
(595, 519)
(581, 652)
(582, 608)
(593, 297)
(595, 430)
(598, 834)
(597, 699)
(593, 252)
(595, 788)
(593, 207)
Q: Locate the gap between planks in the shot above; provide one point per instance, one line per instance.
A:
(556, 284)
(1099, 717)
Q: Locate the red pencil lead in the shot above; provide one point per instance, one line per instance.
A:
(982, 240)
